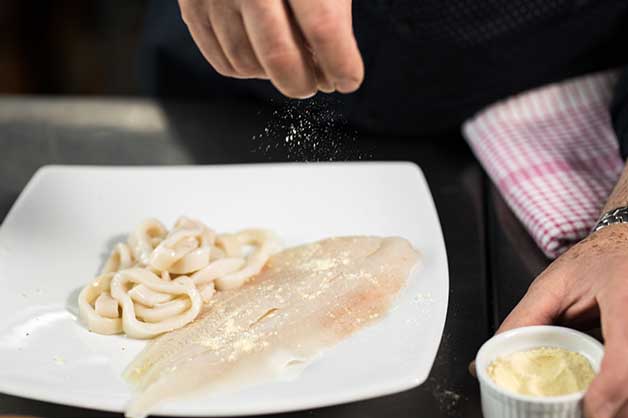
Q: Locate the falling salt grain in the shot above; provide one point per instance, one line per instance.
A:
(309, 130)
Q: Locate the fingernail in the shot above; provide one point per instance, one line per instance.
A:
(347, 85)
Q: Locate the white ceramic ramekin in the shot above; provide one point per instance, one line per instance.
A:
(501, 403)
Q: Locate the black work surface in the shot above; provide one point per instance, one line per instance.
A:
(491, 258)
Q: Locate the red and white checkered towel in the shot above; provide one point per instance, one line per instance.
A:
(553, 155)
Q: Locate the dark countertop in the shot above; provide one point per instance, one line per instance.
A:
(491, 258)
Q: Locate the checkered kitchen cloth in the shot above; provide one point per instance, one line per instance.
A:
(553, 155)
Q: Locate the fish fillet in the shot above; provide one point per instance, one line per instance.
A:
(306, 298)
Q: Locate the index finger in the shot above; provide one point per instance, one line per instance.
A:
(277, 46)
(609, 390)
(328, 29)
(539, 306)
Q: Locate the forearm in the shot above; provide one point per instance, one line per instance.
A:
(619, 196)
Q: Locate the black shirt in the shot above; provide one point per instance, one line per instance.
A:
(430, 64)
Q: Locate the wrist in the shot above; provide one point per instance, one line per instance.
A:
(610, 239)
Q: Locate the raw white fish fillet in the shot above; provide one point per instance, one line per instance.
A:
(306, 298)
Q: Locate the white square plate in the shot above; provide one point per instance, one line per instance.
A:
(58, 233)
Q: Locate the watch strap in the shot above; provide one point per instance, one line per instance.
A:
(615, 216)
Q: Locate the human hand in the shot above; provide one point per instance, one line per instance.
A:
(300, 45)
(586, 284)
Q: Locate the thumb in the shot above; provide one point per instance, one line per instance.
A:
(540, 306)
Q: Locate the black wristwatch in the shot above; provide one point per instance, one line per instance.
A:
(615, 216)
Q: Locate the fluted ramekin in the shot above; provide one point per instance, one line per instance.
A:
(502, 403)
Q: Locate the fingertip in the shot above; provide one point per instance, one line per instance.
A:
(537, 307)
(351, 77)
(347, 76)
(323, 83)
(306, 96)
(292, 93)
(326, 89)
(327, 28)
(472, 370)
(347, 85)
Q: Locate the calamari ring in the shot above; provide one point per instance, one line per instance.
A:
(121, 258)
(266, 243)
(86, 300)
(181, 286)
(136, 293)
(185, 250)
(145, 238)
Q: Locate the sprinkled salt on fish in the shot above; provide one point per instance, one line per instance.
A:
(306, 299)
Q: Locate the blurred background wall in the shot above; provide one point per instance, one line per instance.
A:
(70, 46)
